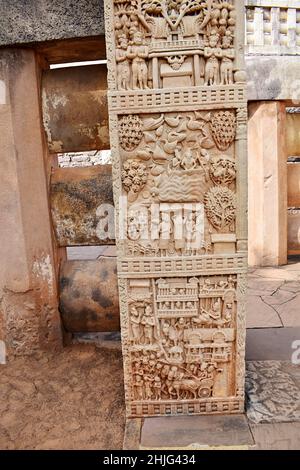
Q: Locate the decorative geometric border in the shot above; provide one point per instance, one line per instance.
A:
(174, 267)
(229, 96)
(188, 407)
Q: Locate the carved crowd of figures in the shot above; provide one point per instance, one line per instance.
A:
(150, 32)
(178, 158)
(169, 338)
(176, 121)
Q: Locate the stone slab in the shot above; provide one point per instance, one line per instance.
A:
(276, 436)
(273, 392)
(45, 20)
(82, 205)
(74, 105)
(196, 432)
(270, 343)
(132, 434)
(290, 312)
(273, 78)
(89, 295)
(261, 315)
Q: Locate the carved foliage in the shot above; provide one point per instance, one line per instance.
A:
(130, 132)
(220, 207)
(223, 128)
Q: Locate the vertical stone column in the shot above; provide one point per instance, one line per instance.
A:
(178, 137)
(268, 184)
(29, 317)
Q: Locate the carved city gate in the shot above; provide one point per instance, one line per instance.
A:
(178, 118)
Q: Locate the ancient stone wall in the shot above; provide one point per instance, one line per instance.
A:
(178, 116)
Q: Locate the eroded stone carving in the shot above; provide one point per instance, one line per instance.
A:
(223, 128)
(176, 118)
(220, 206)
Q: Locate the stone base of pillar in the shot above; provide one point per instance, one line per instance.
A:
(217, 432)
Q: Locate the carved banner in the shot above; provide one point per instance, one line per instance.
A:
(178, 117)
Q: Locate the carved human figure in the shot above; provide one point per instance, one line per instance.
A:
(188, 161)
(190, 230)
(215, 312)
(138, 52)
(157, 387)
(148, 380)
(228, 312)
(165, 233)
(180, 326)
(226, 67)
(203, 159)
(203, 318)
(123, 68)
(212, 54)
(148, 323)
(135, 319)
(139, 387)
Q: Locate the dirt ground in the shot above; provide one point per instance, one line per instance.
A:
(61, 401)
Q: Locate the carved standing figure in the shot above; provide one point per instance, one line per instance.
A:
(226, 68)
(123, 68)
(138, 53)
(212, 54)
(148, 322)
(135, 320)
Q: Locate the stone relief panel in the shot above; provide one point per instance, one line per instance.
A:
(181, 339)
(178, 158)
(178, 132)
(161, 44)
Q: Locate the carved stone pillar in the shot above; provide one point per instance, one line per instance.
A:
(268, 188)
(178, 117)
(29, 317)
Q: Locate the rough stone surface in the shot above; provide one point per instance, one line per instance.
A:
(74, 104)
(89, 295)
(82, 205)
(80, 159)
(276, 436)
(273, 391)
(45, 20)
(273, 78)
